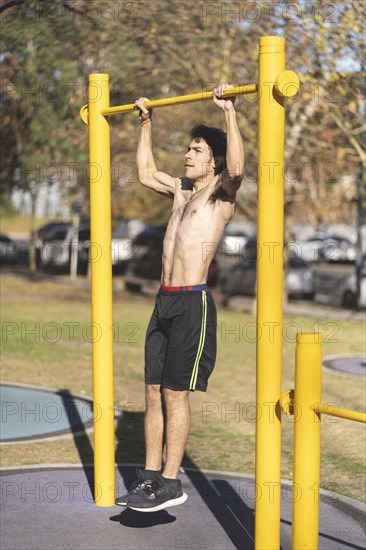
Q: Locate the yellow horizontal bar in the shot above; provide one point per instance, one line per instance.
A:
(190, 98)
(340, 413)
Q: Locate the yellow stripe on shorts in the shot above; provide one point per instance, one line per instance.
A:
(193, 382)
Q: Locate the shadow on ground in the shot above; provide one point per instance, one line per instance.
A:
(226, 502)
(228, 508)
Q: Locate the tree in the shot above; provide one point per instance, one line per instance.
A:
(325, 135)
(168, 48)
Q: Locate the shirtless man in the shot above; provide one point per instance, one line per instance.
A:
(180, 349)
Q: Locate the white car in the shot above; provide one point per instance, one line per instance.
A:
(308, 250)
(325, 248)
(337, 249)
(55, 247)
(122, 250)
(54, 250)
(240, 278)
(232, 242)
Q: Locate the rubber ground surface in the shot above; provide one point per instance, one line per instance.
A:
(53, 508)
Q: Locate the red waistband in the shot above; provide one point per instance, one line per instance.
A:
(183, 288)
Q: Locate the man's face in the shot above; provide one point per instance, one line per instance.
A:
(199, 161)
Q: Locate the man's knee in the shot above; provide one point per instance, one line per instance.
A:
(174, 396)
(152, 394)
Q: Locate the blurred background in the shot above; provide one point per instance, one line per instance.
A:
(166, 48)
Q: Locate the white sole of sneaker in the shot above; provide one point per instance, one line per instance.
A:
(164, 505)
(121, 503)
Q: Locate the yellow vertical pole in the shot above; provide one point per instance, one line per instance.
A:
(101, 270)
(269, 293)
(306, 479)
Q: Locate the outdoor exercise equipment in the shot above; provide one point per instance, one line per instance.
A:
(275, 83)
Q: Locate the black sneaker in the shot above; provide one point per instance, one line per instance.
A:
(143, 476)
(157, 495)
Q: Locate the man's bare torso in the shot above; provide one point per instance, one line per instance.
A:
(197, 223)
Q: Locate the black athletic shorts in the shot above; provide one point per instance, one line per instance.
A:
(180, 348)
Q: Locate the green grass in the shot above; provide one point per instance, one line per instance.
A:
(44, 350)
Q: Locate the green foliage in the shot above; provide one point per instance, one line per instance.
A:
(167, 48)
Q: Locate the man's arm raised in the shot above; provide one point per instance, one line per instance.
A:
(147, 173)
(230, 179)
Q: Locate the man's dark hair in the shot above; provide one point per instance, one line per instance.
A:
(215, 139)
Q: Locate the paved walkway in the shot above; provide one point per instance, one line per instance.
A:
(52, 508)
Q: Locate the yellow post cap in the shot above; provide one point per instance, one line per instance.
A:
(97, 77)
(287, 83)
(271, 41)
(271, 44)
(309, 338)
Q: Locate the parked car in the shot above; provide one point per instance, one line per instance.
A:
(53, 252)
(54, 242)
(241, 277)
(53, 231)
(49, 228)
(124, 247)
(339, 289)
(326, 248)
(122, 252)
(147, 240)
(337, 249)
(233, 241)
(348, 291)
(9, 251)
(309, 249)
